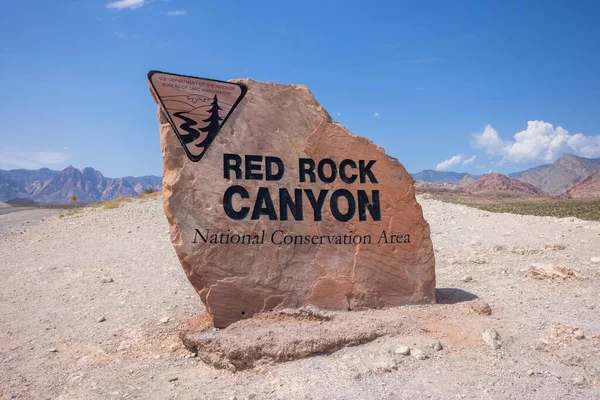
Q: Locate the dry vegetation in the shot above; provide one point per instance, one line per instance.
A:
(587, 209)
(109, 205)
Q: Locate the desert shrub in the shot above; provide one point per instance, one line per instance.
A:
(109, 205)
(561, 208)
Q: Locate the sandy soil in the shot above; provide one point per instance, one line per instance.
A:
(91, 305)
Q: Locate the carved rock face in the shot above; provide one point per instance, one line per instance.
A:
(362, 241)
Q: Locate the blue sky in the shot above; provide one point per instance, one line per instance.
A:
(434, 83)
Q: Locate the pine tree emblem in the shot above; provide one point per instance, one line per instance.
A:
(214, 123)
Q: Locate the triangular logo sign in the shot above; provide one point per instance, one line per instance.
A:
(197, 108)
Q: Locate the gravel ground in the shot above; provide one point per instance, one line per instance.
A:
(92, 303)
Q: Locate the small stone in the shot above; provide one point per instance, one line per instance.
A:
(554, 247)
(437, 346)
(481, 307)
(579, 381)
(492, 338)
(383, 366)
(530, 373)
(173, 379)
(478, 260)
(101, 319)
(402, 350)
(164, 320)
(595, 260)
(418, 354)
(232, 398)
(107, 279)
(53, 350)
(497, 248)
(578, 334)
(548, 271)
(467, 278)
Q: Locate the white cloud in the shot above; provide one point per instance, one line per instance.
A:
(540, 142)
(488, 140)
(469, 160)
(375, 114)
(179, 13)
(125, 4)
(19, 158)
(444, 165)
(586, 146)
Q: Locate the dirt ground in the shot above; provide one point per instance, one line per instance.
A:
(91, 305)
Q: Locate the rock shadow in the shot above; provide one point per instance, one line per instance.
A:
(453, 296)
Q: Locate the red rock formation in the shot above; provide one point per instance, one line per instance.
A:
(501, 183)
(588, 188)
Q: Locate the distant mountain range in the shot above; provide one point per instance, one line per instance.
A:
(57, 187)
(555, 179)
(561, 175)
(569, 176)
(430, 175)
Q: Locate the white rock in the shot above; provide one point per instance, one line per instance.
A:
(492, 338)
(418, 354)
(402, 350)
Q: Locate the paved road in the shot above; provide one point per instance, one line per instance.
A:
(13, 209)
(16, 218)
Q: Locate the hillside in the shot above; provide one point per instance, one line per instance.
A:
(429, 175)
(143, 183)
(501, 183)
(425, 186)
(56, 187)
(588, 188)
(466, 181)
(561, 175)
(554, 179)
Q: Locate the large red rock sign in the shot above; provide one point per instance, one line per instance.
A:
(283, 207)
